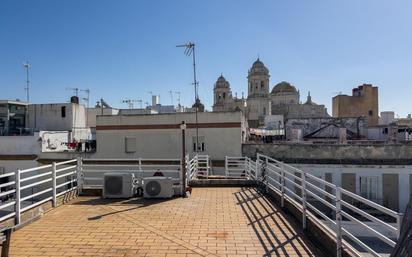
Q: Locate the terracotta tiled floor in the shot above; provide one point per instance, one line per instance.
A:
(211, 222)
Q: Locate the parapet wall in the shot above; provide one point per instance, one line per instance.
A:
(385, 154)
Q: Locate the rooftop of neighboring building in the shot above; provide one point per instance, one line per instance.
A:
(15, 102)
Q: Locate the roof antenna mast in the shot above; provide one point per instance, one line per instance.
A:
(190, 50)
(27, 67)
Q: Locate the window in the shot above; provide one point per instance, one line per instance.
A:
(262, 85)
(224, 95)
(369, 188)
(202, 145)
(63, 111)
(130, 144)
(264, 111)
(370, 112)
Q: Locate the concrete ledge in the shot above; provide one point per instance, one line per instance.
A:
(222, 183)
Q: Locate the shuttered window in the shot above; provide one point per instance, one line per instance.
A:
(130, 144)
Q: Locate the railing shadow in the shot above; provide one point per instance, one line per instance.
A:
(137, 203)
(268, 221)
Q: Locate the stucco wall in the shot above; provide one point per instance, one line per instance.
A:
(93, 112)
(157, 136)
(20, 145)
(348, 154)
(49, 116)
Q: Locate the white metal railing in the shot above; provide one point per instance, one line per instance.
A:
(203, 165)
(199, 165)
(191, 167)
(92, 170)
(308, 192)
(240, 167)
(28, 188)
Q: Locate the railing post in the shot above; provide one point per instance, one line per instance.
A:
(399, 224)
(79, 170)
(141, 175)
(197, 164)
(257, 166)
(338, 222)
(282, 183)
(18, 196)
(54, 185)
(226, 167)
(247, 169)
(304, 200)
(188, 173)
(266, 176)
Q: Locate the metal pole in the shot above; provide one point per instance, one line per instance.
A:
(18, 196)
(338, 222)
(226, 166)
(257, 166)
(140, 171)
(282, 189)
(183, 128)
(188, 170)
(266, 176)
(79, 175)
(399, 224)
(196, 96)
(27, 66)
(304, 200)
(54, 184)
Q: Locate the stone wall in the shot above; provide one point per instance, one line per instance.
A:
(327, 127)
(391, 154)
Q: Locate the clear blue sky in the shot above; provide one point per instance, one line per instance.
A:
(124, 49)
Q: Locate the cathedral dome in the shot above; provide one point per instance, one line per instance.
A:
(283, 87)
(258, 67)
(222, 82)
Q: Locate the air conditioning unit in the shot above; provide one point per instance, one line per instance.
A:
(118, 185)
(158, 187)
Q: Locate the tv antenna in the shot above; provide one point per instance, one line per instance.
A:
(27, 67)
(87, 98)
(74, 89)
(190, 50)
(171, 96)
(129, 102)
(178, 97)
(140, 103)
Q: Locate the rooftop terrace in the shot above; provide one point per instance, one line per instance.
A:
(211, 222)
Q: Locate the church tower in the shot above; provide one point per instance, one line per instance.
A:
(258, 100)
(223, 100)
(258, 80)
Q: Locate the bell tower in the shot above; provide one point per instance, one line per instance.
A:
(258, 100)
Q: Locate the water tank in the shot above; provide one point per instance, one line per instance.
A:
(74, 100)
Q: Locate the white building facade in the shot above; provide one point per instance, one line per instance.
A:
(159, 136)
